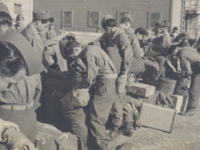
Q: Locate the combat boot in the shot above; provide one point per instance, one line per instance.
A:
(114, 133)
(127, 129)
(189, 112)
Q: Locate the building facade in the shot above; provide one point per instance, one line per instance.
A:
(20, 6)
(86, 15)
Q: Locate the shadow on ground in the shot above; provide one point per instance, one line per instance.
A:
(185, 136)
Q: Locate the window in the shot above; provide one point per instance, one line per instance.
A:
(67, 18)
(153, 17)
(120, 15)
(93, 19)
(18, 8)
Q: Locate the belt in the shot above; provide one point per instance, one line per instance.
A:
(17, 107)
(107, 76)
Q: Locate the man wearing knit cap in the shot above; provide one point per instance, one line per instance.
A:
(127, 23)
(19, 23)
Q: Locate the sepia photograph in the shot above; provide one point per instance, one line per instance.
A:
(99, 74)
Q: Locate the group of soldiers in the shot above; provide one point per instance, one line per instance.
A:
(94, 104)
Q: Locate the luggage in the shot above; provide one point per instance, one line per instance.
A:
(140, 89)
(180, 102)
(166, 85)
(157, 117)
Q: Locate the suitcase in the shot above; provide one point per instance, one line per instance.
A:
(140, 89)
(157, 117)
(180, 102)
(166, 85)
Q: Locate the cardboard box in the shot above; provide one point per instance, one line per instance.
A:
(157, 117)
(142, 90)
(180, 102)
(177, 101)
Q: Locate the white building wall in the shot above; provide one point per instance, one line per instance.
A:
(27, 9)
(176, 13)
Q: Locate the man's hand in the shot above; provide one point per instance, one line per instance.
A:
(16, 140)
(4, 125)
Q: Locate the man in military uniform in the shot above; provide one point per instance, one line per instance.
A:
(117, 45)
(41, 18)
(19, 23)
(134, 37)
(51, 33)
(190, 62)
(100, 76)
(127, 23)
(15, 106)
(161, 43)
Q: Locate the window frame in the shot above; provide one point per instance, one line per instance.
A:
(62, 18)
(17, 4)
(149, 18)
(88, 20)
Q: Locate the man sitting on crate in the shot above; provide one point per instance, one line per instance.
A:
(190, 60)
(100, 76)
(159, 46)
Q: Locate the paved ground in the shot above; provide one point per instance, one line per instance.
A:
(185, 136)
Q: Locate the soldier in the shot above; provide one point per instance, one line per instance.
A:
(40, 19)
(62, 30)
(100, 76)
(134, 37)
(127, 24)
(19, 23)
(161, 43)
(51, 33)
(15, 106)
(117, 45)
(190, 60)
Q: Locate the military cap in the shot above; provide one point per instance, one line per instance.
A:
(106, 18)
(30, 55)
(162, 24)
(19, 17)
(71, 36)
(41, 14)
(129, 17)
(4, 8)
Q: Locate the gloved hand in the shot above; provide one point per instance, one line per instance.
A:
(4, 125)
(15, 140)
